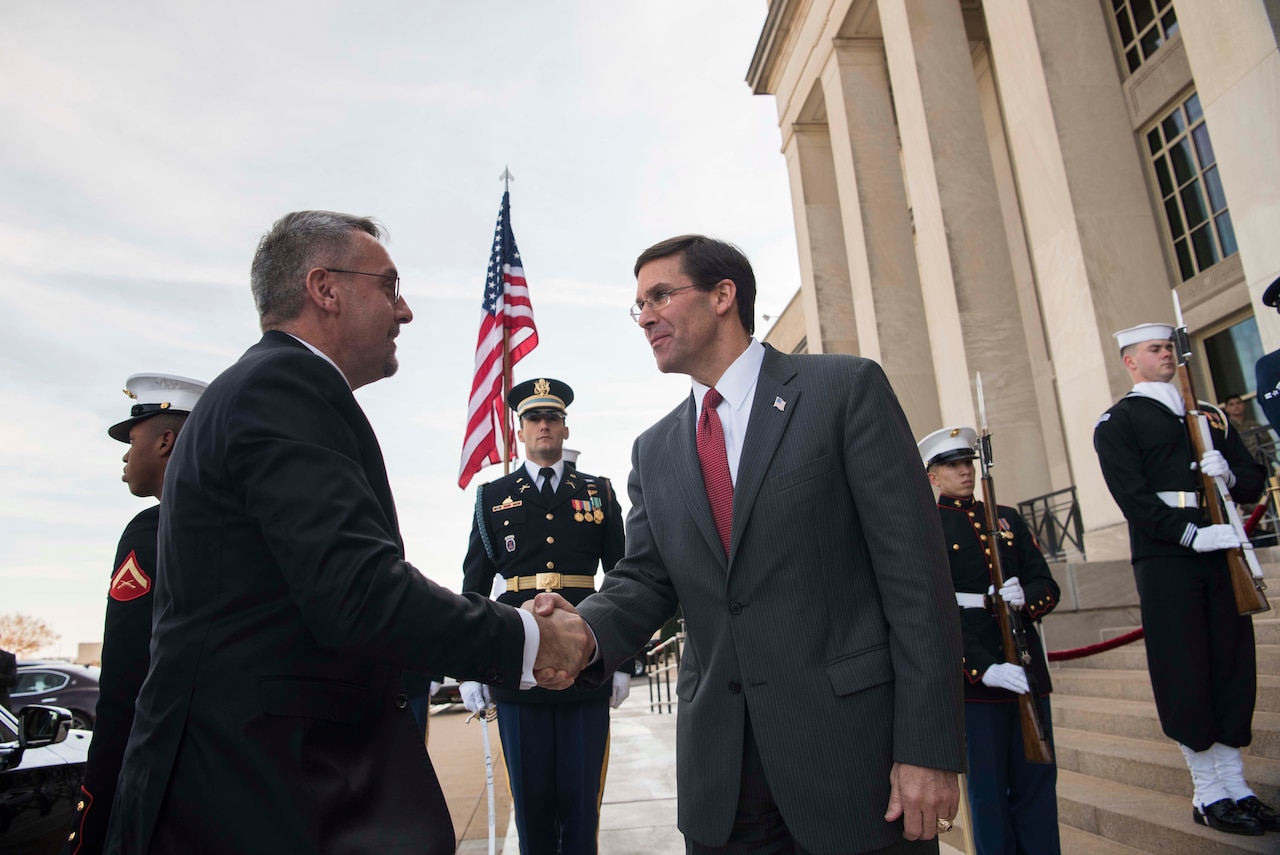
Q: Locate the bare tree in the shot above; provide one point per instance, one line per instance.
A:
(23, 635)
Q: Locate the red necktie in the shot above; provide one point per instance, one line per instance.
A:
(715, 466)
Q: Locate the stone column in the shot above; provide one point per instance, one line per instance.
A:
(824, 266)
(970, 298)
(1088, 215)
(888, 306)
(1231, 46)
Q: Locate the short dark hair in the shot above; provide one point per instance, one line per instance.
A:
(161, 422)
(706, 261)
(296, 243)
(1227, 400)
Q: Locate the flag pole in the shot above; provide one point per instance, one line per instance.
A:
(507, 427)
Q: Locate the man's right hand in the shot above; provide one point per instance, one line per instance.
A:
(566, 644)
(1211, 538)
(1006, 675)
(475, 696)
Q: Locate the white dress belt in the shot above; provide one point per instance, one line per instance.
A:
(971, 601)
(1175, 499)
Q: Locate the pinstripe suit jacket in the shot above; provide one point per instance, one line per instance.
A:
(832, 620)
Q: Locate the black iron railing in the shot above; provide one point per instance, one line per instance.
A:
(1054, 519)
(662, 665)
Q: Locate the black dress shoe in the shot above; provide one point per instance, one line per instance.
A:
(1226, 815)
(1260, 811)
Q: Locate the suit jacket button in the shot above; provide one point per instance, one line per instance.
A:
(735, 687)
(735, 608)
(402, 701)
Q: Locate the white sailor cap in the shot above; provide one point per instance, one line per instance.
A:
(947, 444)
(570, 456)
(153, 394)
(1144, 332)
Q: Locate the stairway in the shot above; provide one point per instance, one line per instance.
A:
(1120, 778)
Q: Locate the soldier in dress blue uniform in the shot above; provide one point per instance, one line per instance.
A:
(161, 404)
(546, 527)
(1200, 651)
(1014, 802)
(1268, 367)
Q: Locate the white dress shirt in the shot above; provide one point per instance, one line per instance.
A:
(535, 475)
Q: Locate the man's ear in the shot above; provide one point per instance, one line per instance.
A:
(726, 291)
(164, 443)
(933, 479)
(566, 431)
(520, 431)
(321, 289)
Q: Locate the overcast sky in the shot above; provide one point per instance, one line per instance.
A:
(144, 148)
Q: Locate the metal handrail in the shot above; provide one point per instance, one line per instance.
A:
(1054, 519)
(660, 662)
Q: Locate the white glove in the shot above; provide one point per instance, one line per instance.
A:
(1210, 538)
(1215, 465)
(475, 696)
(621, 688)
(1008, 676)
(1011, 592)
(435, 687)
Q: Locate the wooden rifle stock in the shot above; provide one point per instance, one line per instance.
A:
(1035, 744)
(1249, 590)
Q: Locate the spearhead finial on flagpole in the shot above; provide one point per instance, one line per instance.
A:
(506, 178)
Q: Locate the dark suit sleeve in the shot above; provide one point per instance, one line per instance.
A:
(297, 458)
(478, 569)
(613, 549)
(899, 519)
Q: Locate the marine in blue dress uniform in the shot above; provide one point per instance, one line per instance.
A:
(161, 405)
(547, 527)
(1013, 802)
(1200, 651)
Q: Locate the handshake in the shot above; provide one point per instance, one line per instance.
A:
(566, 643)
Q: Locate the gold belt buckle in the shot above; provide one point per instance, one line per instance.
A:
(547, 581)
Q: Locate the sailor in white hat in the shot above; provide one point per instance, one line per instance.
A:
(992, 685)
(1200, 652)
(160, 406)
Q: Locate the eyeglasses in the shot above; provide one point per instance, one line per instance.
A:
(395, 293)
(657, 300)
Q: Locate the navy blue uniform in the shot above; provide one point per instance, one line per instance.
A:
(555, 742)
(1200, 651)
(1014, 802)
(126, 654)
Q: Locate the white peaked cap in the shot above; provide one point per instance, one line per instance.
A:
(153, 394)
(1144, 332)
(949, 443)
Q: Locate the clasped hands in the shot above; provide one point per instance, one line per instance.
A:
(566, 644)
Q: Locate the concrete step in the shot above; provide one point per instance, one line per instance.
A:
(1157, 766)
(1136, 686)
(1137, 720)
(1073, 840)
(1266, 630)
(1144, 819)
(1133, 657)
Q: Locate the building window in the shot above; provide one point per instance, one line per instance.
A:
(1143, 26)
(1195, 208)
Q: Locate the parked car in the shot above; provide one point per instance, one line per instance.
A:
(41, 766)
(61, 684)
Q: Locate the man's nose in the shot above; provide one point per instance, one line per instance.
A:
(403, 313)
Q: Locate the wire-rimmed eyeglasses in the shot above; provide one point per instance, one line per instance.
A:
(657, 300)
(395, 292)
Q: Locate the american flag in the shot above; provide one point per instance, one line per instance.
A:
(506, 307)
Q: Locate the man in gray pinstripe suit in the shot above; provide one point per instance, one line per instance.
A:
(820, 708)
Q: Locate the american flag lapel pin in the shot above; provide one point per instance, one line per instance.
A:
(779, 404)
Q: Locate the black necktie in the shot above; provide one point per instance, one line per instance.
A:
(547, 473)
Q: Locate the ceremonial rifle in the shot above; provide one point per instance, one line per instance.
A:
(1246, 574)
(1013, 623)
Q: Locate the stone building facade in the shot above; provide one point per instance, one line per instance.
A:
(997, 186)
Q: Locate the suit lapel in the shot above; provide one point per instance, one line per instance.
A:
(770, 412)
(683, 442)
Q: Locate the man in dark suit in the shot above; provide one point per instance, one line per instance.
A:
(160, 408)
(273, 717)
(782, 507)
(1013, 802)
(548, 527)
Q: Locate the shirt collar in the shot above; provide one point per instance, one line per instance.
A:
(947, 501)
(320, 353)
(534, 468)
(736, 383)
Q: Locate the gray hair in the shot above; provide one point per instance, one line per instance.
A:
(295, 244)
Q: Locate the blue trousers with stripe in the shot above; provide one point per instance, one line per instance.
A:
(556, 757)
(1014, 803)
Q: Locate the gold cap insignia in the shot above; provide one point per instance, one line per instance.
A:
(955, 431)
(541, 387)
